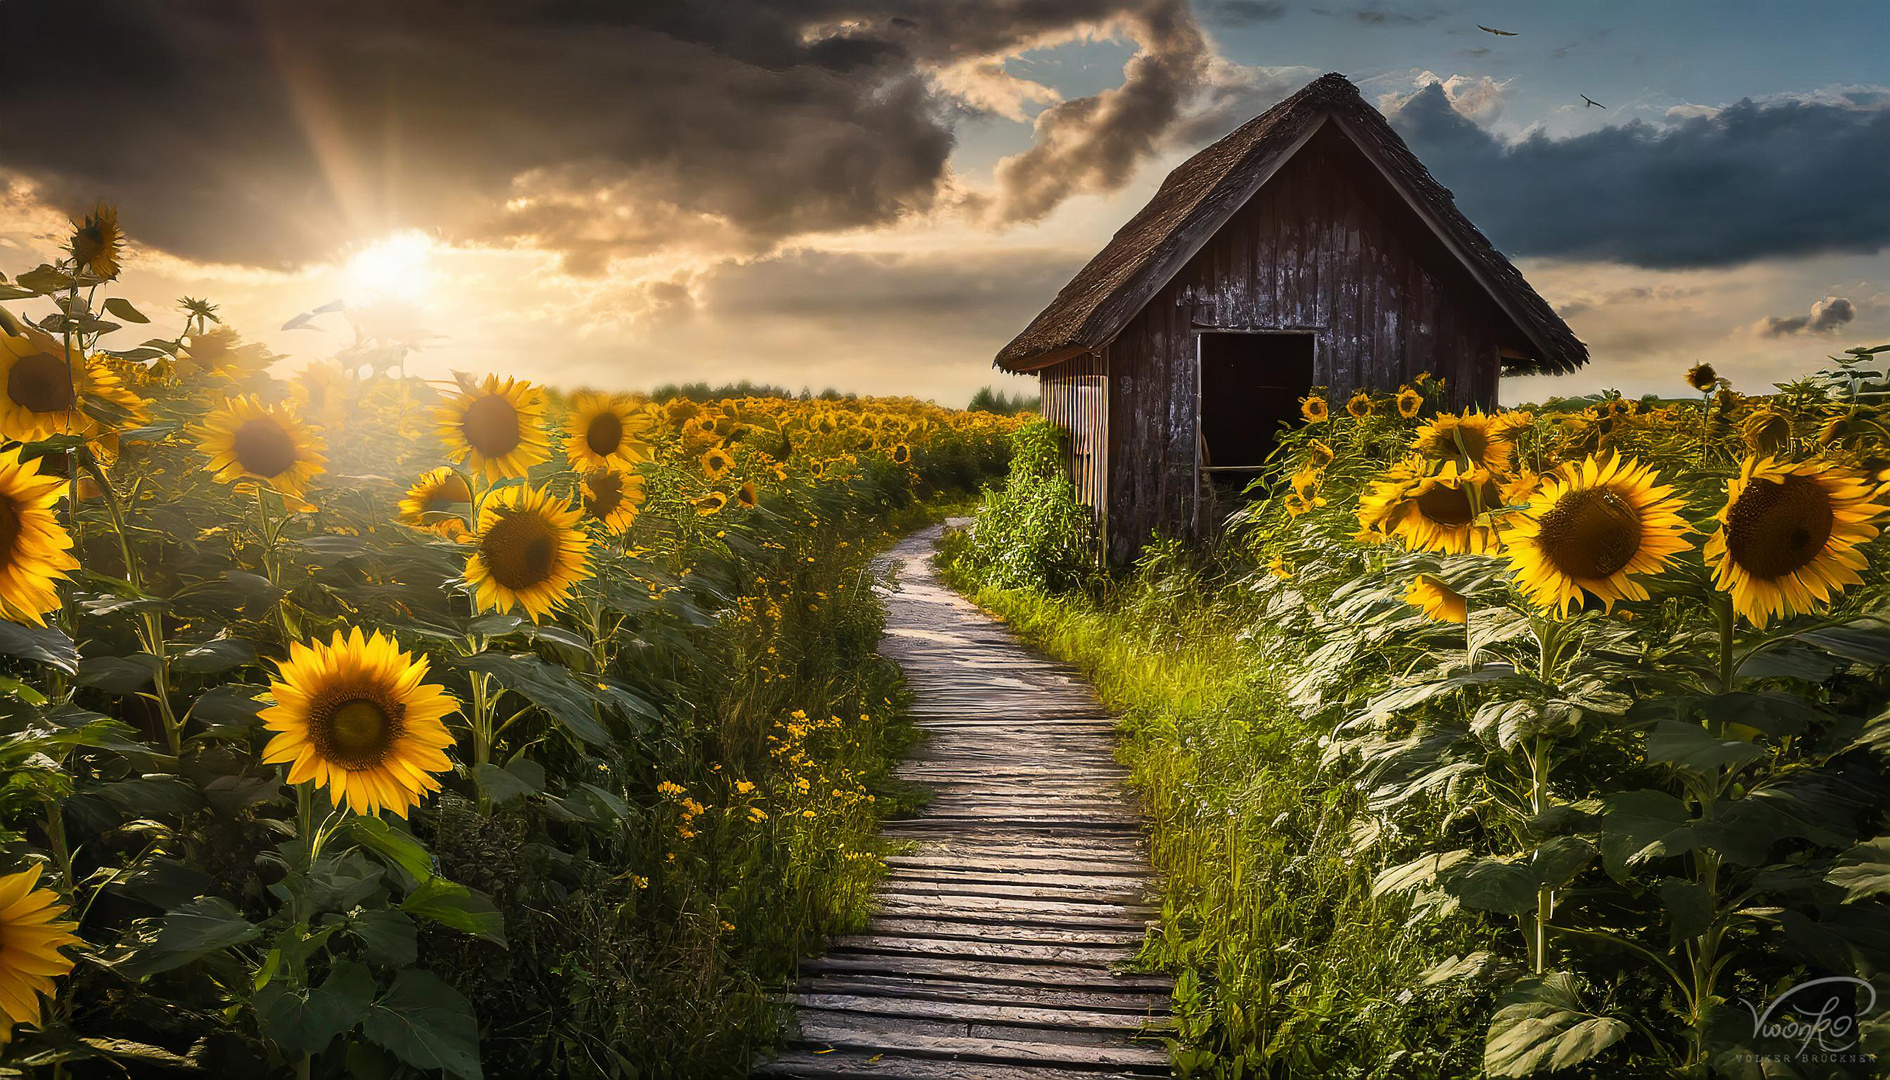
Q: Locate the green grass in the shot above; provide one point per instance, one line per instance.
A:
(1286, 965)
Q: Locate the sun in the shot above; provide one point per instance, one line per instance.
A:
(397, 265)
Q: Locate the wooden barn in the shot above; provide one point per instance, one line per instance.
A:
(1308, 248)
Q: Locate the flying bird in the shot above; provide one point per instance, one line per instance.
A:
(1498, 33)
(301, 322)
(1591, 101)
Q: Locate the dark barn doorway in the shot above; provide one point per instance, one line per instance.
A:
(1250, 385)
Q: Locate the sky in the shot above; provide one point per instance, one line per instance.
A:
(876, 195)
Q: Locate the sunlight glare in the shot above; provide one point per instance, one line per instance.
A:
(394, 266)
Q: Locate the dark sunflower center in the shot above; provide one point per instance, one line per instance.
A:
(263, 448)
(450, 492)
(491, 426)
(605, 434)
(40, 383)
(9, 530)
(1778, 526)
(1448, 506)
(355, 726)
(603, 494)
(520, 551)
(1444, 444)
(1590, 534)
(88, 243)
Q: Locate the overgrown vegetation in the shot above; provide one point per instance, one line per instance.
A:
(357, 726)
(1030, 531)
(1528, 743)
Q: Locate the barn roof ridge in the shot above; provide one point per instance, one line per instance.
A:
(1203, 192)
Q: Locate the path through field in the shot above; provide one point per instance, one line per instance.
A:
(991, 953)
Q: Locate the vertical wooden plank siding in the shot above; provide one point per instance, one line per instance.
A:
(1076, 399)
(1326, 247)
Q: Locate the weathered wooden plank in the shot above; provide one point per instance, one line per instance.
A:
(1075, 955)
(812, 1065)
(981, 971)
(818, 1026)
(998, 1051)
(997, 929)
(1134, 1002)
(970, 1012)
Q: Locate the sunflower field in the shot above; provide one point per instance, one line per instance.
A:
(1542, 741)
(361, 725)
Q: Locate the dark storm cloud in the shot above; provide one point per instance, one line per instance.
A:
(270, 132)
(1826, 316)
(1749, 182)
(1096, 143)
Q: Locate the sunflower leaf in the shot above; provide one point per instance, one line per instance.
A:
(389, 935)
(45, 644)
(397, 848)
(304, 1020)
(553, 689)
(122, 308)
(197, 929)
(451, 904)
(426, 1024)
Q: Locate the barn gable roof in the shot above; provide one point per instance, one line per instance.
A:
(1205, 191)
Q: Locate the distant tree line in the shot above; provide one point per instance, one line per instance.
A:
(997, 401)
(701, 391)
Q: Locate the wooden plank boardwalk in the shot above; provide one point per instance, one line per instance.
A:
(994, 950)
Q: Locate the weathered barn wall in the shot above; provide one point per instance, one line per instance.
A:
(1326, 247)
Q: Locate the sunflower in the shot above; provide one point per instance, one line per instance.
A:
(1278, 568)
(433, 502)
(1702, 377)
(901, 454)
(1431, 507)
(712, 503)
(31, 935)
(1849, 430)
(1359, 405)
(1409, 402)
(1314, 409)
(1789, 535)
(705, 427)
(46, 387)
(97, 242)
(1437, 600)
(323, 393)
(716, 463)
(34, 547)
(1767, 431)
(353, 716)
(747, 497)
(1469, 437)
(224, 352)
(530, 552)
(1594, 527)
(1318, 454)
(606, 429)
(1520, 487)
(678, 411)
(247, 440)
(612, 496)
(1305, 483)
(497, 427)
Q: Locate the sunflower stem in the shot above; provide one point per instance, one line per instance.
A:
(151, 628)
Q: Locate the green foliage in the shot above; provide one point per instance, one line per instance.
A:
(1031, 533)
(990, 400)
